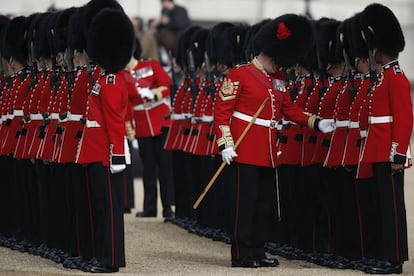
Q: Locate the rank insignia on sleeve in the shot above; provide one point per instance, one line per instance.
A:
(110, 79)
(228, 89)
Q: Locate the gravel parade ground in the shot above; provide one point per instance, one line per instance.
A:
(157, 248)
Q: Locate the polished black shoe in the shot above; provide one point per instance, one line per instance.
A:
(268, 262)
(381, 267)
(167, 212)
(95, 266)
(146, 214)
(250, 263)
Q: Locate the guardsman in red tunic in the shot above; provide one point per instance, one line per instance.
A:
(15, 53)
(390, 124)
(280, 43)
(103, 147)
(149, 93)
(289, 166)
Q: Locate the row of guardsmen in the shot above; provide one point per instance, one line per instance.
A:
(63, 147)
(329, 203)
(340, 199)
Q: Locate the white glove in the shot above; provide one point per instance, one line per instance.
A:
(134, 144)
(228, 154)
(117, 168)
(326, 125)
(146, 93)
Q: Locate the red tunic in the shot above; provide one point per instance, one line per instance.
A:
(104, 136)
(390, 120)
(205, 141)
(326, 111)
(290, 143)
(177, 117)
(341, 117)
(353, 140)
(19, 92)
(241, 94)
(72, 125)
(150, 116)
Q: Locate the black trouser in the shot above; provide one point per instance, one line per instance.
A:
(157, 164)
(254, 210)
(289, 182)
(367, 192)
(393, 222)
(307, 206)
(79, 205)
(346, 226)
(108, 215)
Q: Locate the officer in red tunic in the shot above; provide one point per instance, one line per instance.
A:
(103, 147)
(390, 124)
(149, 93)
(280, 42)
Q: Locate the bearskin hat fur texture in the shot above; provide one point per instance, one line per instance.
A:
(326, 30)
(359, 47)
(215, 40)
(382, 29)
(61, 29)
(110, 40)
(285, 39)
(14, 45)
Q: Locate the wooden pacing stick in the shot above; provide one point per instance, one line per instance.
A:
(223, 164)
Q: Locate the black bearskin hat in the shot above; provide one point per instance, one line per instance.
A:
(249, 48)
(359, 47)
(75, 35)
(110, 40)
(344, 41)
(183, 44)
(14, 44)
(215, 40)
(51, 22)
(4, 20)
(61, 29)
(92, 8)
(234, 42)
(382, 29)
(198, 46)
(42, 48)
(285, 39)
(326, 41)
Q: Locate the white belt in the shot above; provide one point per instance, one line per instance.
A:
(363, 133)
(147, 105)
(92, 124)
(74, 117)
(36, 117)
(10, 116)
(379, 119)
(207, 118)
(54, 116)
(3, 117)
(177, 117)
(259, 121)
(353, 124)
(344, 123)
(187, 115)
(18, 112)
